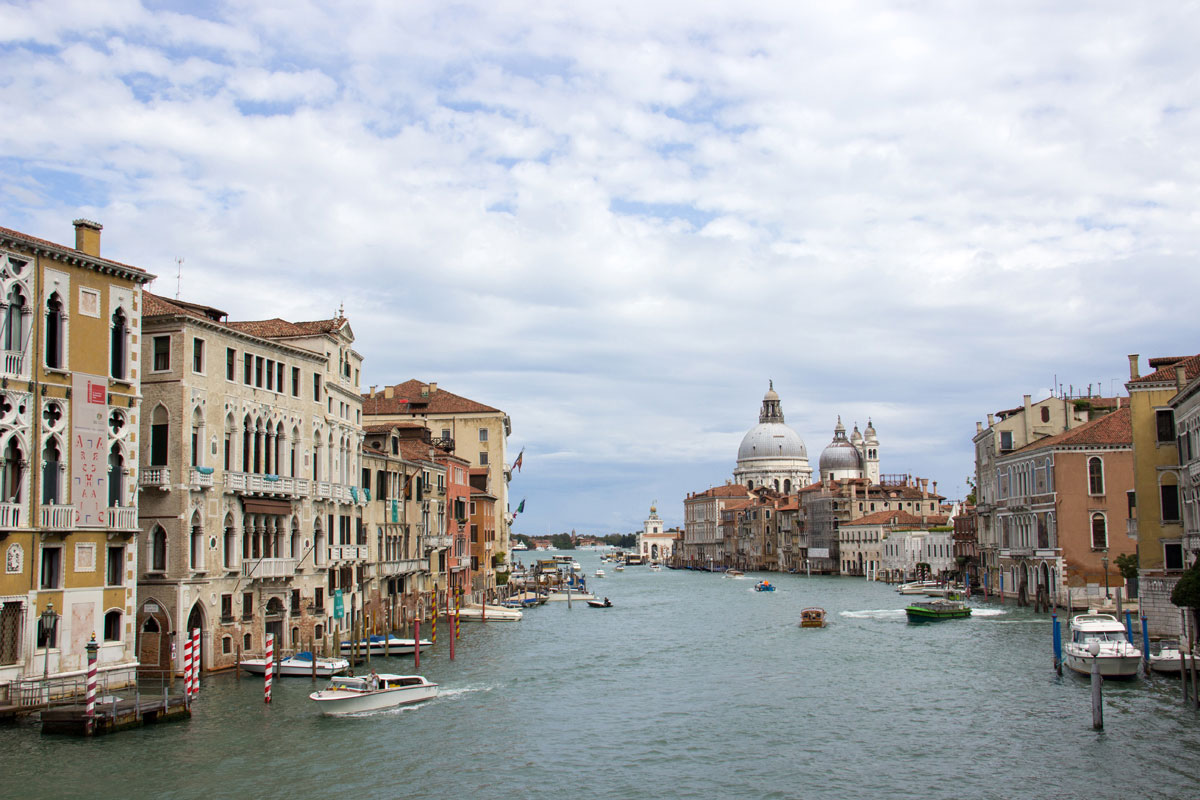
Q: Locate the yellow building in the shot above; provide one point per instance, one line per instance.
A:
(1156, 509)
(69, 395)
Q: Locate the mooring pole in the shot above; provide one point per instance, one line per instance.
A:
(1097, 698)
(1145, 646)
(269, 672)
(1128, 625)
(1057, 644)
(92, 647)
(417, 640)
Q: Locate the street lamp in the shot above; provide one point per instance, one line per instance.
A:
(1104, 561)
(49, 619)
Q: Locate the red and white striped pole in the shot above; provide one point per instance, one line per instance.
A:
(196, 662)
(187, 667)
(92, 647)
(269, 672)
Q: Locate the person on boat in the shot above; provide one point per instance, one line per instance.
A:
(607, 603)
(373, 680)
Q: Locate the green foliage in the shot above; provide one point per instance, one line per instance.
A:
(501, 578)
(562, 541)
(498, 558)
(940, 528)
(971, 494)
(1127, 563)
(1186, 593)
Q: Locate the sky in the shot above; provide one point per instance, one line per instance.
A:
(618, 221)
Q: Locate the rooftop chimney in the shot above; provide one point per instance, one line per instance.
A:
(372, 392)
(991, 420)
(389, 392)
(978, 426)
(433, 387)
(1133, 367)
(87, 236)
(1180, 377)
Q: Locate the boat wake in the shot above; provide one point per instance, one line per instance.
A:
(878, 613)
(987, 612)
(450, 693)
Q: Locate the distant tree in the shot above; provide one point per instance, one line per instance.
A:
(1127, 564)
(1186, 593)
(562, 541)
(971, 494)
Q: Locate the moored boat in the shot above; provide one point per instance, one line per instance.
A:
(917, 587)
(384, 645)
(473, 612)
(1167, 659)
(1116, 657)
(354, 695)
(934, 610)
(299, 665)
(812, 618)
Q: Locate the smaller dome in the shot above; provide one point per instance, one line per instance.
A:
(840, 455)
(856, 437)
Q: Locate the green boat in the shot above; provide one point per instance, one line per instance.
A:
(935, 610)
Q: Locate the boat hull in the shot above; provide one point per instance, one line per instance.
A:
(293, 668)
(395, 647)
(936, 611)
(494, 614)
(1169, 664)
(1111, 666)
(333, 703)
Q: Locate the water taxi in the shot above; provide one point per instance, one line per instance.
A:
(351, 695)
(934, 610)
(917, 587)
(812, 618)
(1115, 655)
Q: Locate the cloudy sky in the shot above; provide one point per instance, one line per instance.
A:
(618, 221)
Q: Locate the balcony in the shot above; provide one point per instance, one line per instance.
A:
(256, 483)
(123, 518)
(201, 478)
(348, 552)
(1131, 528)
(325, 490)
(438, 542)
(155, 478)
(406, 566)
(266, 568)
(14, 364)
(58, 518)
(10, 515)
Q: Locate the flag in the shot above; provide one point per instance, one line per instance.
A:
(520, 508)
(517, 463)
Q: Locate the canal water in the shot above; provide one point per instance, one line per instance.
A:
(691, 685)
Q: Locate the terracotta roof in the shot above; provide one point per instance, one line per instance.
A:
(890, 517)
(734, 505)
(277, 328)
(47, 243)
(413, 450)
(414, 397)
(728, 490)
(1111, 429)
(1165, 369)
(381, 427)
(375, 451)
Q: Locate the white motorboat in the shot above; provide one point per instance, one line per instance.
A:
(473, 612)
(1115, 655)
(298, 666)
(599, 573)
(384, 645)
(619, 567)
(917, 587)
(1167, 659)
(560, 595)
(656, 567)
(945, 590)
(354, 695)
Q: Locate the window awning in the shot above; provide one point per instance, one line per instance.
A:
(259, 505)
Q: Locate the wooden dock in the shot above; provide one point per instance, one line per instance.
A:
(114, 714)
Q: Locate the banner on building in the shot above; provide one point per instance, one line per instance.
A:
(818, 552)
(89, 450)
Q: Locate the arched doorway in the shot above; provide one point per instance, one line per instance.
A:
(153, 637)
(274, 622)
(196, 621)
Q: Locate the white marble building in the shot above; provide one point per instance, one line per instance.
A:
(772, 455)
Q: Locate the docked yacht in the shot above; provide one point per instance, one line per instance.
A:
(384, 646)
(298, 666)
(474, 612)
(1116, 656)
(917, 587)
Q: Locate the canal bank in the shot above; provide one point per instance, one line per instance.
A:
(691, 685)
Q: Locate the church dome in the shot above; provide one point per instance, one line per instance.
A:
(840, 454)
(771, 440)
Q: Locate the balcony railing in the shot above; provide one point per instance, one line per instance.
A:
(155, 477)
(200, 479)
(123, 518)
(268, 568)
(347, 552)
(438, 542)
(1131, 528)
(255, 483)
(14, 363)
(58, 518)
(10, 515)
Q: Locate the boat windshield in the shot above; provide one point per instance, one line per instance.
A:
(1099, 636)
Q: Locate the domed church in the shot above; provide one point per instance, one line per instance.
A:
(772, 454)
(856, 457)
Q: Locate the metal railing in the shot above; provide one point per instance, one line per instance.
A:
(33, 693)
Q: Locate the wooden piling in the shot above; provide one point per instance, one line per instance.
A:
(1097, 697)
(237, 662)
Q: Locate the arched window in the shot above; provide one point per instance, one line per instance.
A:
(196, 545)
(14, 324)
(1095, 475)
(112, 626)
(10, 476)
(51, 458)
(118, 350)
(116, 476)
(230, 544)
(320, 552)
(1099, 532)
(197, 438)
(247, 443)
(160, 432)
(787, 486)
(295, 547)
(54, 332)
(158, 549)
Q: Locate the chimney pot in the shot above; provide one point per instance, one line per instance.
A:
(433, 387)
(87, 236)
(389, 392)
(1133, 367)
(1180, 377)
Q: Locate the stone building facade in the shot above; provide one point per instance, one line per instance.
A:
(69, 414)
(251, 519)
